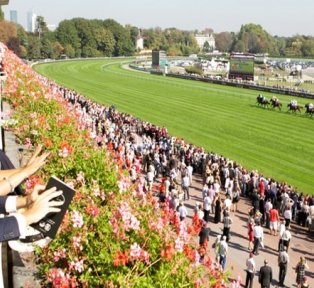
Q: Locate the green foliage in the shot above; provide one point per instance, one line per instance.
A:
(218, 118)
(194, 70)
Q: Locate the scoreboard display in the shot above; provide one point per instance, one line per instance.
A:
(241, 66)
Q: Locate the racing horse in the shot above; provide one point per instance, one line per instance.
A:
(309, 110)
(294, 108)
(262, 101)
(276, 103)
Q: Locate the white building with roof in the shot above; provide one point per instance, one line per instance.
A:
(201, 39)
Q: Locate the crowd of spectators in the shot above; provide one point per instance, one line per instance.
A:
(165, 165)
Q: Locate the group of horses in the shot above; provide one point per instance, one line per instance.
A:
(275, 103)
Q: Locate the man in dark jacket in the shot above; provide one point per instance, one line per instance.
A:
(265, 275)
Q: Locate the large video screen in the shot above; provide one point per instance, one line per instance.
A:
(241, 66)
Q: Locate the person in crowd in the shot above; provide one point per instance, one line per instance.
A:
(268, 207)
(250, 271)
(265, 275)
(216, 247)
(227, 203)
(251, 225)
(273, 221)
(305, 283)
(207, 207)
(183, 212)
(283, 261)
(300, 270)
(281, 229)
(286, 238)
(258, 237)
(227, 221)
(223, 251)
(218, 209)
(204, 235)
(186, 186)
(235, 199)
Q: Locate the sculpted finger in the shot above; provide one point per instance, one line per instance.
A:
(47, 194)
(39, 187)
(53, 210)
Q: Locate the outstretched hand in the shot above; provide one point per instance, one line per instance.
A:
(35, 162)
(43, 205)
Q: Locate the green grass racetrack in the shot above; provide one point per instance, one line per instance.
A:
(222, 119)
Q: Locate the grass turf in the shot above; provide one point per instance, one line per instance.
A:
(222, 119)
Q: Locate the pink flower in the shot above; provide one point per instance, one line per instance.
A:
(179, 244)
(137, 253)
(64, 152)
(76, 243)
(77, 265)
(80, 177)
(77, 219)
(136, 250)
(28, 143)
(59, 254)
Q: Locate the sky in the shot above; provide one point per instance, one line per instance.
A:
(277, 17)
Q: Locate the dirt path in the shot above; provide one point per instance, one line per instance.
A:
(301, 243)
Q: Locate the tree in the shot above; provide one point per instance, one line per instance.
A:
(41, 26)
(1, 14)
(57, 50)
(104, 40)
(224, 41)
(69, 50)
(46, 49)
(7, 31)
(122, 36)
(66, 33)
(34, 47)
(308, 48)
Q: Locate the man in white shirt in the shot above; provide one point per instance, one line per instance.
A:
(223, 251)
(250, 271)
(186, 186)
(283, 260)
(183, 212)
(258, 237)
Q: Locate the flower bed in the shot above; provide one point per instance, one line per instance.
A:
(114, 234)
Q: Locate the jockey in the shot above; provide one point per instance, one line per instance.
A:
(274, 98)
(294, 103)
(311, 106)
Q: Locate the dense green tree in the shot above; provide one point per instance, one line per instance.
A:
(104, 40)
(122, 36)
(66, 33)
(224, 41)
(34, 47)
(58, 50)
(69, 50)
(1, 14)
(41, 26)
(308, 48)
(46, 48)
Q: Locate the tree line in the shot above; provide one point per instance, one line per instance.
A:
(81, 37)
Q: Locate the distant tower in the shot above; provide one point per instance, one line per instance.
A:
(139, 41)
(13, 16)
(31, 21)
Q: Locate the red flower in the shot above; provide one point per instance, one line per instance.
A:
(121, 258)
(92, 210)
(168, 252)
